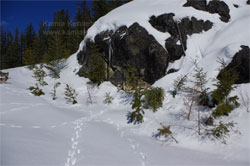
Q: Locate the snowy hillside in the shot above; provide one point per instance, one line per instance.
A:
(41, 131)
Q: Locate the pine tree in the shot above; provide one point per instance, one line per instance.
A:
(99, 8)
(179, 84)
(166, 132)
(221, 131)
(136, 116)
(61, 28)
(154, 98)
(42, 41)
(82, 19)
(55, 59)
(114, 4)
(200, 91)
(108, 98)
(224, 85)
(39, 74)
(96, 74)
(53, 93)
(132, 81)
(12, 58)
(22, 48)
(3, 42)
(200, 81)
(29, 37)
(36, 90)
(29, 58)
(70, 94)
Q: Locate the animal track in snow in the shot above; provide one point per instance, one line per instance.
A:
(135, 146)
(71, 159)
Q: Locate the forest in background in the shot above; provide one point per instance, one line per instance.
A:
(53, 40)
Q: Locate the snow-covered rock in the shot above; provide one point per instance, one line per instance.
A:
(195, 30)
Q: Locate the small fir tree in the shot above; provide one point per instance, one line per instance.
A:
(36, 90)
(136, 116)
(201, 91)
(53, 93)
(179, 84)
(221, 131)
(132, 81)
(39, 74)
(224, 85)
(108, 98)
(200, 81)
(70, 94)
(165, 132)
(154, 98)
(96, 74)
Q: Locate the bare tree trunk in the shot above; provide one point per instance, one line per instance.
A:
(199, 122)
(174, 138)
(91, 102)
(190, 107)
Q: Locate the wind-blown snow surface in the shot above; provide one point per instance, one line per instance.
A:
(40, 131)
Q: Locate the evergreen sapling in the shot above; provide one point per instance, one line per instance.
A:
(224, 85)
(39, 74)
(70, 94)
(154, 98)
(136, 116)
(179, 84)
(53, 93)
(108, 98)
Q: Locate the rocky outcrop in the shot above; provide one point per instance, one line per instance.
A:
(129, 47)
(214, 6)
(241, 64)
(176, 44)
(133, 47)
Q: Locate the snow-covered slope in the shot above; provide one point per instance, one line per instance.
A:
(40, 131)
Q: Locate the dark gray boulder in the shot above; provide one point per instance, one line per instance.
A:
(248, 2)
(199, 5)
(133, 47)
(241, 64)
(221, 8)
(214, 6)
(178, 31)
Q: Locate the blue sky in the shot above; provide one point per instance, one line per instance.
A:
(21, 13)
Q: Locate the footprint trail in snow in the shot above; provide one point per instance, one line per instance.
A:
(74, 151)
